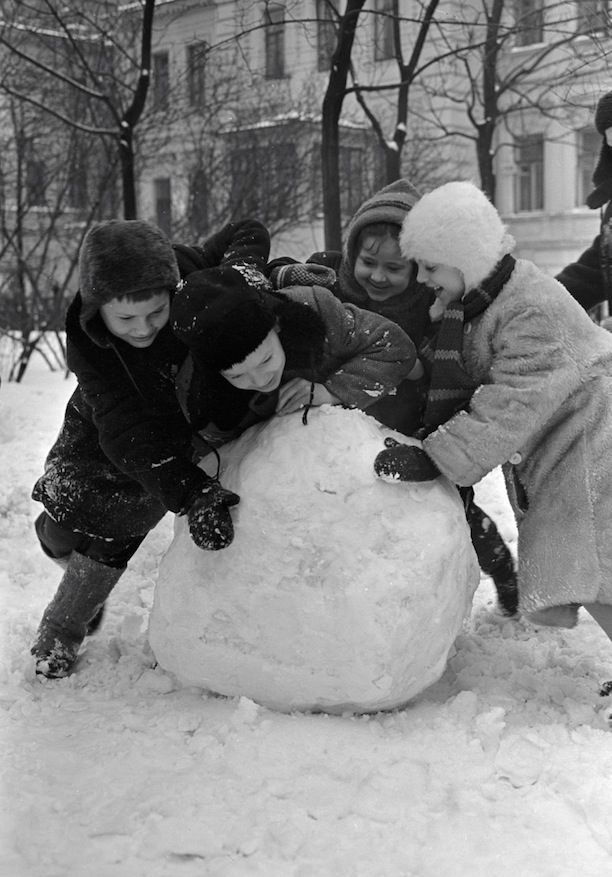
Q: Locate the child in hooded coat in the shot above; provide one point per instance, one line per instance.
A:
(374, 275)
(257, 353)
(521, 378)
(124, 454)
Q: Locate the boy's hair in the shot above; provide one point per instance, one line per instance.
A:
(122, 259)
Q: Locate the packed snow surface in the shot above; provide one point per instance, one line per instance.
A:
(500, 769)
(340, 591)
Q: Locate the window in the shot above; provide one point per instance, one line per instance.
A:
(589, 144)
(264, 181)
(77, 194)
(383, 30)
(593, 16)
(196, 61)
(529, 22)
(161, 80)
(163, 204)
(198, 202)
(326, 35)
(274, 19)
(529, 179)
(350, 159)
(35, 178)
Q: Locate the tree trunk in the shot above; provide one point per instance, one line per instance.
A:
(330, 132)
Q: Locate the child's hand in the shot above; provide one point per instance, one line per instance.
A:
(209, 518)
(405, 463)
(295, 394)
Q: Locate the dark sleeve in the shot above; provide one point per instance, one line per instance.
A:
(245, 241)
(584, 279)
(148, 439)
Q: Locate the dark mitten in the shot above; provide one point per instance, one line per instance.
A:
(405, 462)
(209, 517)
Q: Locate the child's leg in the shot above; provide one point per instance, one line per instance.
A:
(602, 613)
(492, 552)
(93, 568)
(81, 593)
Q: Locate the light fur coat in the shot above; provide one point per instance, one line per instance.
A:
(543, 411)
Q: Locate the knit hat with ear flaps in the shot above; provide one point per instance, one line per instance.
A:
(222, 314)
(390, 204)
(456, 225)
(122, 257)
(602, 175)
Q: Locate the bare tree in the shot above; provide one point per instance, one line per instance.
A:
(46, 209)
(88, 74)
(495, 87)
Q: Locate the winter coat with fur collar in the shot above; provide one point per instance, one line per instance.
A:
(124, 455)
(358, 355)
(543, 411)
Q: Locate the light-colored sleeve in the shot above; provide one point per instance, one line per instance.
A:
(533, 372)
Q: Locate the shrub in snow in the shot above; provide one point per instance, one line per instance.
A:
(340, 592)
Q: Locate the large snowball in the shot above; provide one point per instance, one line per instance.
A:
(341, 591)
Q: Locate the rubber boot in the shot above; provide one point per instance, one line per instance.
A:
(79, 598)
(494, 557)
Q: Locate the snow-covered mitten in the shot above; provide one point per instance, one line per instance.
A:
(405, 463)
(209, 517)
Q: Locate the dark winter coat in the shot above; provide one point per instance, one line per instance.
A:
(589, 278)
(543, 411)
(358, 356)
(124, 452)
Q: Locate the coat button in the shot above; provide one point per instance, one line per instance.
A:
(515, 459)
(467, 328)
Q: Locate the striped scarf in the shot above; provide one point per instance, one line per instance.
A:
(450, 385)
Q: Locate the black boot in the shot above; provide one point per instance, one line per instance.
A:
(79, 598)
(493, 556)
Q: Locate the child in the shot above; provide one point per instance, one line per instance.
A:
(521, 378)
(374, 274)
(589, 279)
(256, 353)
(123, 456)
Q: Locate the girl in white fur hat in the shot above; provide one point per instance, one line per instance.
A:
(520, 378)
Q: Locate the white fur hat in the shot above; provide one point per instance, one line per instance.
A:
(456, 225)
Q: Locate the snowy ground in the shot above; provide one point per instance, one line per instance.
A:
(501, 768)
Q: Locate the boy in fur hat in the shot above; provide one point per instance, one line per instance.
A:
(520, 378)
(373, 274)
(124, 454)
(258, 353)
(589, 279)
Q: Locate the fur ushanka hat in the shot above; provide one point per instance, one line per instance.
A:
(223, 314)
(602, 176)
(456, 225)
(124, 257)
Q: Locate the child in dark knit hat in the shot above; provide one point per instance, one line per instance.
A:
(257, 353)
(589, 279)
(374, 274)
(522, 379)
(124, 455)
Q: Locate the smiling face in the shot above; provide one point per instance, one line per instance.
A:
(262, 369)
(137, 322)
(380, 269)
(446, 282)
